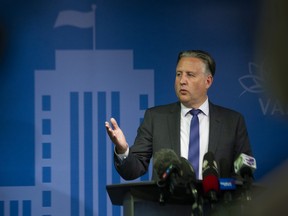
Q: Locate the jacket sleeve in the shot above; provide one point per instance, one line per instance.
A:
(137, 162)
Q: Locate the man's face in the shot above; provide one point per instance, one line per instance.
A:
(191, 82)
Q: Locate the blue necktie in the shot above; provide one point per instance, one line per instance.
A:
(193, 155)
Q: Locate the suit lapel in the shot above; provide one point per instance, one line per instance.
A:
(215, 128)
(173, 120)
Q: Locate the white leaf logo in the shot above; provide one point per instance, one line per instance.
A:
(252, 82)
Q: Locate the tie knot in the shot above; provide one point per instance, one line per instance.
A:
(195, 112)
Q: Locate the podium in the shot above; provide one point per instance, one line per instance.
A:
(142, 198)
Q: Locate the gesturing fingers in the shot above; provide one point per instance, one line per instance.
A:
(109, 129)
(114, 123)
(112, 130)
(116, 135)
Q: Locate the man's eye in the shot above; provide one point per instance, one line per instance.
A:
(190, 74)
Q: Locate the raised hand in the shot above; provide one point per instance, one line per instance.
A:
(117, 136)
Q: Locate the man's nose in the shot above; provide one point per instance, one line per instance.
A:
(183, 80)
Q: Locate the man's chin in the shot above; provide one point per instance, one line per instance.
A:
(184, 102)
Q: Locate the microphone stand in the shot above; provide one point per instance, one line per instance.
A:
(162, 192)
(246, 195)
(197, 206)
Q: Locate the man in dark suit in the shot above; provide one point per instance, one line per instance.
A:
(222, 131)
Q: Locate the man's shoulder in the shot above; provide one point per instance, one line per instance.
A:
(172, 107)
(223, 110)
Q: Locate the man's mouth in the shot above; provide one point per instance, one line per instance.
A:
(183, 91)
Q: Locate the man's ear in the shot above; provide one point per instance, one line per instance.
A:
(209, 81)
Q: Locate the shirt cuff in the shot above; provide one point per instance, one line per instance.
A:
(123, 156)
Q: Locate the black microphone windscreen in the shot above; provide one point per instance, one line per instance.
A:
(209, 156)
(246, 172)
(163, 159)
(209, 165)
(188, 173)
(210, 175)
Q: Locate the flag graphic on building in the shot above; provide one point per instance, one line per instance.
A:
(79, 20)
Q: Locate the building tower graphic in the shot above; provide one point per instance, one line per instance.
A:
(73, 155)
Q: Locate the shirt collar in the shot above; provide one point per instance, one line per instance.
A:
(204, 108)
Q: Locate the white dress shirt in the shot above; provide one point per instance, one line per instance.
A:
(203, 132)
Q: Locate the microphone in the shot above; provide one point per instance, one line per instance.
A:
(166, 164)
(226, 181)
(210, 175)
(187, 178)
(188, 181)
(245, 166)
(227, 184)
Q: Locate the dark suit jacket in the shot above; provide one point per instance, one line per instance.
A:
(160, 128)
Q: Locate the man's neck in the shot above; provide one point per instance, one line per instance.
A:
(197, 104)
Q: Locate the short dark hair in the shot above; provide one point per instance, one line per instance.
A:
(204, 56)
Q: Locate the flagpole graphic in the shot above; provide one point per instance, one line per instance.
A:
(79, 20)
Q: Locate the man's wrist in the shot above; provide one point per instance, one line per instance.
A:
(120, 150)
(122, 156)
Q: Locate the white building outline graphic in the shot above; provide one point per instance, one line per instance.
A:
(72, 102)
